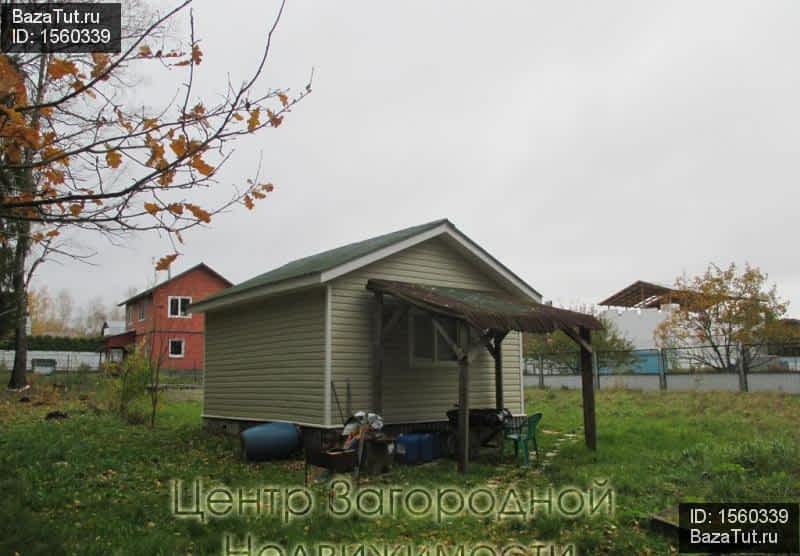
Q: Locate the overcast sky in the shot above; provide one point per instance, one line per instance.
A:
(584, 144)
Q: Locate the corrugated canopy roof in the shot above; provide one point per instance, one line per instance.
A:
(640, 294)
(486, 310)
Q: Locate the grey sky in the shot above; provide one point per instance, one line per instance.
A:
(584, 144)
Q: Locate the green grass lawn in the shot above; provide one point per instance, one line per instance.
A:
(90, 484)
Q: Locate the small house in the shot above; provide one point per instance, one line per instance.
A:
(298, 343)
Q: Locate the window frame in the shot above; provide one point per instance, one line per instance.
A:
(188, 315)
(417, 362)
(142, 306)
(183, 348)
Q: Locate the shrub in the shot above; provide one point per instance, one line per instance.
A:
(83, 368)
(57, 343)
(129, 386)
(110, 368)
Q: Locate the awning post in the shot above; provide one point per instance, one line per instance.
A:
(498, 371)
(463, 414)
(587, 387)
(377, 387)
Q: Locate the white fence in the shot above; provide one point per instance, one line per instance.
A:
(734, 367)
(64, 360)
(788, 382)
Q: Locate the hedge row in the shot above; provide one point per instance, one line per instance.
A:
(57, 343)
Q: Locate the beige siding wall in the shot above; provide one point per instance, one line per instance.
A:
(266, 360)
(412, 394)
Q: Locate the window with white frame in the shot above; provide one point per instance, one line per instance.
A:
(142, 310)
(426, 343)
(177, 347)
(128, 314)
(178, 307)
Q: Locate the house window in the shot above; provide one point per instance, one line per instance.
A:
(141, 310)
(176, 348)
(443, 350)
(128, 314)
(422, 336)
(179, 307)
(426, 343)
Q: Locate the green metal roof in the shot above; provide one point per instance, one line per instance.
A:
(326, 260)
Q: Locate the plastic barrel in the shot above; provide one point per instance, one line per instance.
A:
(426, 447)
(408, 449)
(270, 441)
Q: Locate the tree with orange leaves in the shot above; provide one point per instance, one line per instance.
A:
(723, 315)
(74, 157)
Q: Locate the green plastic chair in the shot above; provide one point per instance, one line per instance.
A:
(525, 439)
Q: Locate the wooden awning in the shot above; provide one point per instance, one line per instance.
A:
(492, 315)
(487, 310)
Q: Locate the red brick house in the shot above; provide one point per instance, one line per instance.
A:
(159, 319)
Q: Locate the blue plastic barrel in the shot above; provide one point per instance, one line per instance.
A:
(426, 447)
(270, 441)
(408, 449)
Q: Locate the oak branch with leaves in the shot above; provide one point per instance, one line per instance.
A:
(99, 166)
(75, 156)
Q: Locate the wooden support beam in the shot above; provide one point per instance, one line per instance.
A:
(399, 312)
(587, 386)
(478, 342)
(463, 396)
(498, 371)
(576, 337)
(463, 414)
(460, 354)
(492, 341)
(377, 372)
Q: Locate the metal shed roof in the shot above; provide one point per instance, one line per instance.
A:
(316, 268)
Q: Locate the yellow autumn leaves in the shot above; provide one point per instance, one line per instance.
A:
(177, 209)
(113, 159)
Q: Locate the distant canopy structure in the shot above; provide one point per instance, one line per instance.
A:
(643, 295)
(649, 295)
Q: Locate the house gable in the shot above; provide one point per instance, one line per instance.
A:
(202, 267)
(436, 261)
(327, 266)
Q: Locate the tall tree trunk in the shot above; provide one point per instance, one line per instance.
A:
(18, 379)
(23, 181)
